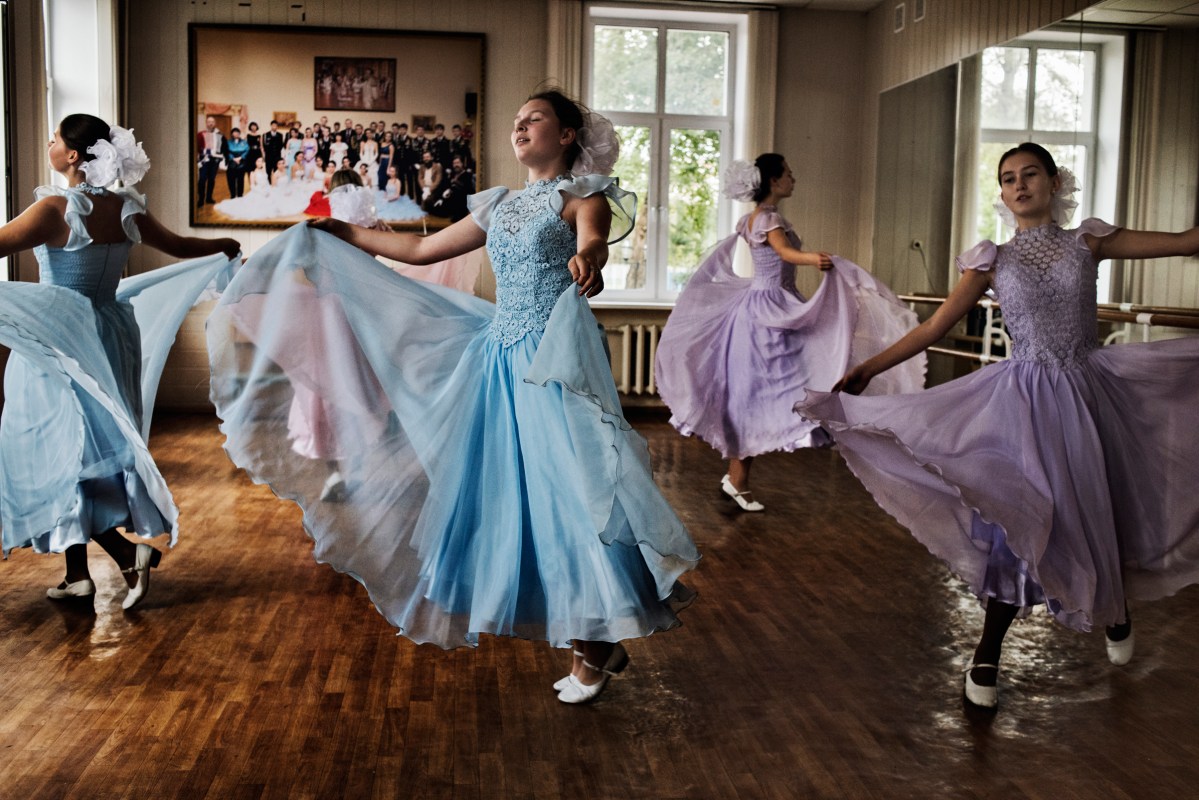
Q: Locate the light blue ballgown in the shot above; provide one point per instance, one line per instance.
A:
(492, 483)
(87, 353)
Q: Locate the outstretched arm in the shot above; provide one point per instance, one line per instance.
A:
(963, 298)
(41, 223)
(593, 222)
(1126, 243)
(777, 238)
(160, 238)
(461, 237)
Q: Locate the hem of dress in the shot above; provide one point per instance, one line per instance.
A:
(805, 442)
(1063, 615)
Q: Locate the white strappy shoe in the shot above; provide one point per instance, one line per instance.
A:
(981, 696)
(66, 591)
(562, 683)
(145, 558)
(614, 665)
(743, 499)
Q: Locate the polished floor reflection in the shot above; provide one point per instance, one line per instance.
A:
(822, 660)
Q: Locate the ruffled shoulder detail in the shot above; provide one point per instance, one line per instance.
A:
(622, 202)
(79, 206)
(135, 203)
(483, 204)
(1095, 227)
(766, 220)
(981, 257)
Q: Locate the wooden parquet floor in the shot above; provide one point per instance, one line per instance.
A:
(822, 660)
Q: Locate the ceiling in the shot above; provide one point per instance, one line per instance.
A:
(1171, 13)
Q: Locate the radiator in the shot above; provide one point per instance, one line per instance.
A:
(633, 366)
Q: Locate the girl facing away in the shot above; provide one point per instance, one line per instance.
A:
(1062, 476)
(507, 495)
(75, 466)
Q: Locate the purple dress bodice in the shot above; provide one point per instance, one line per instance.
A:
(1045, 278)
(770, 270)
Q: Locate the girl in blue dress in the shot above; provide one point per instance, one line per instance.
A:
(80, 382)
(508, 495)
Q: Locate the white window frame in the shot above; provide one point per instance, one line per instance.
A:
(656, 293)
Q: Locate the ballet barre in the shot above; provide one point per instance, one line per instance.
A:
(1124, 315)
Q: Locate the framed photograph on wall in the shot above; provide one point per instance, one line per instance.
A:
(354, 99)
(354, 84)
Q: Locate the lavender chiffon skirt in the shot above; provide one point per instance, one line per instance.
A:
(738, 353)
(1075, 488)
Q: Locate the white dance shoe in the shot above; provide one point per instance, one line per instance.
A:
(65, 591)
(614, 665)
(740, 498)
(145, 558)
(334, 490)
(1120, 653)
(982, 696)
(562, 683)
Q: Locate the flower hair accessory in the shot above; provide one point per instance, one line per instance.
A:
(741, 181)
(599, 146)
(1061, 205)
(119, 157)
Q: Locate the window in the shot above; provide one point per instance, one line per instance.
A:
(666, 83)
(1064, 95)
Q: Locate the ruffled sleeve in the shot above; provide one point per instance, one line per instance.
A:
(483, 204)
(981, 257)
(1095, 227)
(79, 205)
(135, 203)
(766, 221)
(623, 203)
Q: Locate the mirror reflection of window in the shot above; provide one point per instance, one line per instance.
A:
(1062, 91)
(1036, 92)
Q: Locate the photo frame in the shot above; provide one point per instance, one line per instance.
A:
(366, 85)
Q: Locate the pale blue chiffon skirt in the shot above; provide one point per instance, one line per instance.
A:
(78, 395)
(502, 490)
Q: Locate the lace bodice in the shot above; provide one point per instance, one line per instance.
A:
(530, 245)
(770, 270)
(1045, 279)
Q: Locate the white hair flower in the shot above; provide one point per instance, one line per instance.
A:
(134, 161)
(599, 146)
(101, 171)
(741, 180)
(119, 157)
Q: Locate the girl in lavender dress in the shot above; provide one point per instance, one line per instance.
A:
(1065, 475)
(507, 494)
(738, 352)
(80, 383)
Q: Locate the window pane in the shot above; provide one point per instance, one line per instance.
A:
(626, 262)
(1064, 90)
(1005, 87)
(696, 72)
(990, 225)
(694, 201)
(624, 72)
